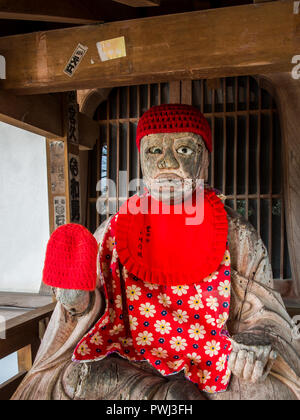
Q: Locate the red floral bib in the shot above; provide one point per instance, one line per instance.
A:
(174, 328)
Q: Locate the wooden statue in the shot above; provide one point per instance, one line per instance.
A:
(264, 361)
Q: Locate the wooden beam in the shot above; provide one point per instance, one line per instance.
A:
(40, 114)
(139, 3)
(73, 12)
(202, 44)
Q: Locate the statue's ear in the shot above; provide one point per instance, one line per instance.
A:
(206, 163)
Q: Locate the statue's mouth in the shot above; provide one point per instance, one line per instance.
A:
(168, 177)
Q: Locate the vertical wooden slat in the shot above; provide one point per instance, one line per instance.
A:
(202, 96)
(186, 92)
(88, 210)
(128, 160)
(258, 153)
(213, 136)
(25, 359)
(270, 233)
(149, 96)
(138, 155)
(118, 152)
(247, 148)
(175, 94)
(235, 144)
(282, 232)
(159, 93)
(225, 137)
(98, 166)
(108, 154)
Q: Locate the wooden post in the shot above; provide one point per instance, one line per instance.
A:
(63, 169)
(286, 90)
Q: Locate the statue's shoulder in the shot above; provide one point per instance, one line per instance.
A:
(249, 256)
(238, 224)
(102, 229)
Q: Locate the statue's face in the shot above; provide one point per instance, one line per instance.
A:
(172, 163)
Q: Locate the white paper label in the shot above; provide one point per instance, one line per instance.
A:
(75, 60)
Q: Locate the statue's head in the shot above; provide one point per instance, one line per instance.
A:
(174, 143)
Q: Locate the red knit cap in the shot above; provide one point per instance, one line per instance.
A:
(174, 118)
(71, 259)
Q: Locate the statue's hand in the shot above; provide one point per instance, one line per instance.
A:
(76, 302)
(251, 362)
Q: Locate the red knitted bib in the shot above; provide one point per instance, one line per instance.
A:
(190, 252)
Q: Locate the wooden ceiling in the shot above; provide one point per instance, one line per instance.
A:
(26, 16)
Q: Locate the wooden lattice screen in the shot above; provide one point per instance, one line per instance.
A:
(246, 158)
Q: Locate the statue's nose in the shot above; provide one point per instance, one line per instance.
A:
(168, 161)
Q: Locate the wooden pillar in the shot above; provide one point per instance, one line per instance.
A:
(286, 92)
(63, 168)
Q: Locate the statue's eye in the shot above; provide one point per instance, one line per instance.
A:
(184, 150)
(155, 150)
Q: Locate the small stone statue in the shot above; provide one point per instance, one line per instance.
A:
(230, 329)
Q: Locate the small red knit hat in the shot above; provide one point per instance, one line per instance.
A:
(71, 259)
(174, 118)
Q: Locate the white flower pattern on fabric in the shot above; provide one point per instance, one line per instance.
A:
(164, 300)
(197, 331)
(110, 243)
(133, 322)
(160, 353)
(147, 310)
(84, 349)
(210, 389)
(204, 376)
(116, 329)
(96, 339)
(221, 363)
(211, 277)
(226, 259)
(212, 303)
(226, 377)
(178, 343)
(194, 358)
(224, 289)
(126, 341)
(212, 348)
(163, 327)
(195, 302)
(119, 302)
(114, 256)
(221, 321)
(133, 292)
(145, 339)
(210, 320)
(175, 365)
(151, 286)
(180, 316)
(180, 290)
